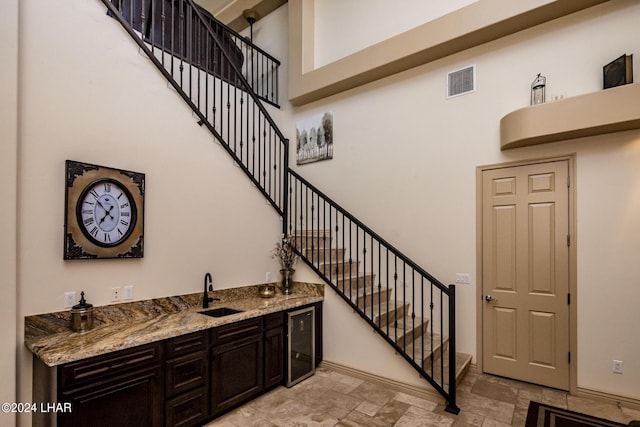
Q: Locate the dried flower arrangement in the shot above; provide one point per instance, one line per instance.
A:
(285, 253)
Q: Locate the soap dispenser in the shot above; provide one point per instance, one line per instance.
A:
(82, 315)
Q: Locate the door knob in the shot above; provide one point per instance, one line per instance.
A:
(488, 298)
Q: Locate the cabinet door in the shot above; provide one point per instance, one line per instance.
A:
(237, 372)
(273, 357)
(134, 399)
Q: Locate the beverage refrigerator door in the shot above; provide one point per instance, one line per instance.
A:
(301, 362)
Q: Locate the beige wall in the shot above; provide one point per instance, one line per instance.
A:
(86, 94)
(404, 162)
(405, 159)
(8, 194)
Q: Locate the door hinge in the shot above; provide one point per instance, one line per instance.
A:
(569, 357)
(568, 181)
(568, 240)
(569, 299)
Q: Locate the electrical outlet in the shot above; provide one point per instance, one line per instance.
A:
(69, 299)
(127, 293)
(617, 367)
(115, 293)
(463, 278)
(268, 277)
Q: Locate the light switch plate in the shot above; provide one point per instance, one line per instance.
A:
(127, 293)
(463, 278)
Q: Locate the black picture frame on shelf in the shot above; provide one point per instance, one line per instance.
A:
(618, 72)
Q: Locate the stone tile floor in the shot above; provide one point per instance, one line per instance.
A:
(330, 398)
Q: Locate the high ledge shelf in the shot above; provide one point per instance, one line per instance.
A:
(611, 110)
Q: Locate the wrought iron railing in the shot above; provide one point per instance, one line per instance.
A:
(205, 66)
(173, 27)
(409, 307)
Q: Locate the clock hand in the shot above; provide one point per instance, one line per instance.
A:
(98, 202)
(107, 213)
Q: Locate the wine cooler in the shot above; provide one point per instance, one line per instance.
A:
(300, 345)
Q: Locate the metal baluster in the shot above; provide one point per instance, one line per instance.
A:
(431, 328)
(395, 291)
(452, 350)
(422, 316)
(413, 310)
(143, 22)
(198, 60)
(372, 281)
(441, 339)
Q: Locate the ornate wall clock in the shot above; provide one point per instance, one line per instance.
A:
(104, 212)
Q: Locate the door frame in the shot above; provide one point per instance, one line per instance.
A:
(573, 287)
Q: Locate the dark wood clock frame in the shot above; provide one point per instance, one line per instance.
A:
(80, 177)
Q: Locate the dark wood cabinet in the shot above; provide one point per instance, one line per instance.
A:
(273, 350)
(183, 381)
(237, 373)
(121, 388)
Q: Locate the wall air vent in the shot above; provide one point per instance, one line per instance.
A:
(461, 81)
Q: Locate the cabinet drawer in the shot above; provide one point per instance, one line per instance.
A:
(188, 409)
(131, 399)
(186, 372)
(185, 344)
(234, 331)
(273, 320)
(101, 367)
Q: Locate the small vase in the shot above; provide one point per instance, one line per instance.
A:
(286, 280)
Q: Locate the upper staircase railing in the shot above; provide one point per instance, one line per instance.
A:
(409, 308)
(169, 25)
(204, 65)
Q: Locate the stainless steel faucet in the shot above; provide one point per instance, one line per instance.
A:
(206, 299)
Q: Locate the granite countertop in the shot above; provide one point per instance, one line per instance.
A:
(120, 326)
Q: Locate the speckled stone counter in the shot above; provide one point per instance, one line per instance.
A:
(120, 326)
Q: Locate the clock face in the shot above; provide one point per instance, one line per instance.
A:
(106, 213)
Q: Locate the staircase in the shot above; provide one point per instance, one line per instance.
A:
(214, 70)
(390, 311)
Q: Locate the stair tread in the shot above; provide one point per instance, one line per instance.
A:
(359, 274)
(361, 290)
(437, 342)
(407, 330)
(463, 361)
(393, 305)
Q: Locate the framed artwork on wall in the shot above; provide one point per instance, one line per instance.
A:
(314, 139)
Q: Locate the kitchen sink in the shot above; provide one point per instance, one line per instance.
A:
(220, 312)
